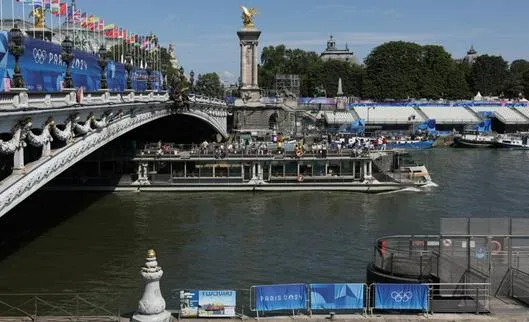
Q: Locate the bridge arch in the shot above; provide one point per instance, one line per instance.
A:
(113, 122)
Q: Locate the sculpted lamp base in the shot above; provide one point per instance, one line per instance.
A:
(165, 316)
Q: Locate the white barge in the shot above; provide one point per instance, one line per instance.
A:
(169, 168)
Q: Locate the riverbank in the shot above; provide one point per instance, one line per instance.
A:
(343, 318)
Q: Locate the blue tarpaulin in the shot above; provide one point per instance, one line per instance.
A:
(281, 297)
(401, 296)
(337, 296)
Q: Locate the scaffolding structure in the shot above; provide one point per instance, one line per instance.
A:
(287, 84)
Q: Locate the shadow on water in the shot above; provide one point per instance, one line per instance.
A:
(38, 214)
(45, 210)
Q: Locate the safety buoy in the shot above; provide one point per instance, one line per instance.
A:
(299, 153)
(300, 178)
(166, 149)
(496, 247)
(447, 242)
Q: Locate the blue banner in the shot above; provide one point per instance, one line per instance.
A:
(401, 296)
(281, 297)
(43, 69)
(337, 296)
(216, 303)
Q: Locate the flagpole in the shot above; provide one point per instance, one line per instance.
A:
(59, 18)
(67, 27)
(43, 8)
(34, 19)
(73, 22)
(23, 17)
(13, 12)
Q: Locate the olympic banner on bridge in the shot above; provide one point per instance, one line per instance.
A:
(43, 69)
(401, 296)
(337, 296)
(281, 297)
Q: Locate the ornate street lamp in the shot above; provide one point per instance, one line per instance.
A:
(16, 47)
(191, 80)
(164, 77)
(67, 57)
(148, 68)
(128, 68)
(103, 62)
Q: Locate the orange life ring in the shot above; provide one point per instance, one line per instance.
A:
(495, 249)
(299, 153)
(300, 178)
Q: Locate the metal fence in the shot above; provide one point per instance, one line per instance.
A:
(459, 297)
(73, 306)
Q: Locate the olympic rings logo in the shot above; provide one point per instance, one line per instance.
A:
(39, 55)
(401, 296)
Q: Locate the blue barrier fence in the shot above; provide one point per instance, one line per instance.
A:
(334, 298)
(401, 297)
(339, 296)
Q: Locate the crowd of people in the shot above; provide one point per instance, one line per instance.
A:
(287, 148)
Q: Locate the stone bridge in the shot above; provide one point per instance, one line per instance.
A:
(38, 119)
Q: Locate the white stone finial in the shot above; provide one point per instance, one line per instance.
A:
(151, 307)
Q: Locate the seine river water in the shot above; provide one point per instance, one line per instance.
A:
(88, 242)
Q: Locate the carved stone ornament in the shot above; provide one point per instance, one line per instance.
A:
(42, 174)
(43, 138)
(19, 132)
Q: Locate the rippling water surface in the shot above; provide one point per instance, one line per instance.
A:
(234, 240)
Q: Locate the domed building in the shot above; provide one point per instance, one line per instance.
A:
(471, 56)
(331, 52)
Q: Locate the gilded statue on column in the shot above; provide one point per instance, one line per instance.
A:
(248, 16)
(39, 16)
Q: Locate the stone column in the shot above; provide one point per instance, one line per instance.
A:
(254, 62)
(244, 81)
(151, 307)
(18, 160)
(248, 38)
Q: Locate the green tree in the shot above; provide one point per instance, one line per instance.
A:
(437, 65)
(394, 70)
(515, 83)
(209, 84)
(456, 83)
(351, 75)
(273, 61)
(489, 74)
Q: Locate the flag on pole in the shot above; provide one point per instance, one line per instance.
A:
(63, 9)
(55, 6)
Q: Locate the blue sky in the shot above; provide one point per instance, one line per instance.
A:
(204, 31)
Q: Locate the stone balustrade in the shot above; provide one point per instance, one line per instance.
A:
(22, 99)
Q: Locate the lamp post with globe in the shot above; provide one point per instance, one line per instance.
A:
(67, 57)
(128, 68)
(148, 68)
(103, 62)
(16, 47)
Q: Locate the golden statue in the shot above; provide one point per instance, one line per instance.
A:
(248, 16)
(38, 14)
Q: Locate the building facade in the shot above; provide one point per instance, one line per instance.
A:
(333, 53)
